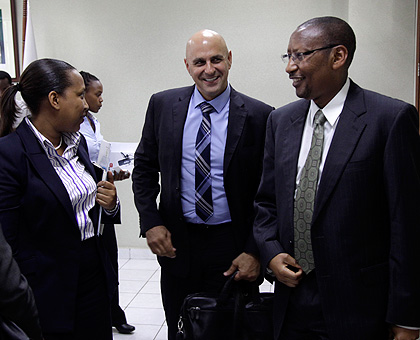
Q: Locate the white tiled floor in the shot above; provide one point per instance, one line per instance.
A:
(140, 295)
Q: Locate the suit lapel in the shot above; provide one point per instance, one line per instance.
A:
(82, 152)
(43, 167)
(349, 130)
(291, 147)
(236, 123)
(179, 114)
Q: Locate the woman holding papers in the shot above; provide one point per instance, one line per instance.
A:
(50, 203)
(91, 129)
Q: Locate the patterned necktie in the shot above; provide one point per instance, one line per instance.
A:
(203, 196)
(305, 197)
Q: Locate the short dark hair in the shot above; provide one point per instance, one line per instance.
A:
(334, 31)
(5, 75)
(88, 78)
(36, 82)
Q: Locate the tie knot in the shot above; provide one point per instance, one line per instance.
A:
(206, 108)
(319, 118)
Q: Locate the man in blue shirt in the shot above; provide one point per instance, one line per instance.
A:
(202, 229)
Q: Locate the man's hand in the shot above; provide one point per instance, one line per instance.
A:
(121, 175)
(247, 265)
(286, 269)
(159, 241)
(106, 195)
(400, 333)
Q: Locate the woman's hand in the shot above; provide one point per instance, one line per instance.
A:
(107, 193)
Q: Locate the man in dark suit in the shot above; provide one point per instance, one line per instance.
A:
(200, 241)
(340, 231)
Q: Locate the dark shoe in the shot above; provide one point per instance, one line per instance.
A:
(125, 328)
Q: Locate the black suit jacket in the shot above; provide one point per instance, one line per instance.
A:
(160, 152)
(365, 228)
(17, 301)
(39, 223)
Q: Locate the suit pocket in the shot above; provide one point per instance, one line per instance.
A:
(376, 274)
(361, 165)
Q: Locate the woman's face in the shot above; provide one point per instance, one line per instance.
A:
(94, 96)
(73, 106)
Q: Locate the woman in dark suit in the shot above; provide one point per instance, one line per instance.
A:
(50, 203)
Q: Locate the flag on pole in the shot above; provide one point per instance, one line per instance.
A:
(29, 48)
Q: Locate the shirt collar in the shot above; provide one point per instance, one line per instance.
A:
(334, 108)
(90, 116)
(218, 103)
(72, 139)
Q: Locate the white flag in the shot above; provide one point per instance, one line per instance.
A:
(29, 54)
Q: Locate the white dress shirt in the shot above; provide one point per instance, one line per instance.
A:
(332, 112)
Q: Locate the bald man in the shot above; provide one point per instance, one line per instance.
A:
(202, 230)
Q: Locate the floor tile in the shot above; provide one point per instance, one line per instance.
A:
(266, 287)
(156, 276)
(136, 274)
(126, 299)
(147, 301)
(145, 316)
(140, 264)
(123, 253)
(131, 286)
(141, 253)
(142, 332)
(163, 333)
(151, 287)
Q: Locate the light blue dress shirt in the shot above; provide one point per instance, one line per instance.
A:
(219, 123)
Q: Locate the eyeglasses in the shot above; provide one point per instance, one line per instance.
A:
(299, 56)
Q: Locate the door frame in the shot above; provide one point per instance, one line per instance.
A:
(417, 69)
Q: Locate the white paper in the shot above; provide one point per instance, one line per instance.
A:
(122, 156)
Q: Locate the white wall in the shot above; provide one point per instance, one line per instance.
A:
(136, 48)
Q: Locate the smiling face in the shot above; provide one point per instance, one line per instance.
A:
(314, 77)
(94, 96)
(73, 106)
(208, 61)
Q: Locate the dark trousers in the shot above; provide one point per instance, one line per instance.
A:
(111, 246)
(92, 316)
(304, 318)
(211, 251)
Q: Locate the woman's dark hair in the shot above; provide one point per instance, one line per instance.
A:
(36, 82)
(88, 78)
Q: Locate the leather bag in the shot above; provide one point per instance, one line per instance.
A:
(232, 314)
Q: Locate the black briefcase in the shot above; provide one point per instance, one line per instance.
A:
(232, 315)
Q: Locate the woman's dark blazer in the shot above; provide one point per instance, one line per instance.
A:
(39, 223)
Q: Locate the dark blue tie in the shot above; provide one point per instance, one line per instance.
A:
(203, 196)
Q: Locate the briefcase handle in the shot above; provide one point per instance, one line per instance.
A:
(227, 290)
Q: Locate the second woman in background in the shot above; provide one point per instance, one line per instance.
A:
(91, 129)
